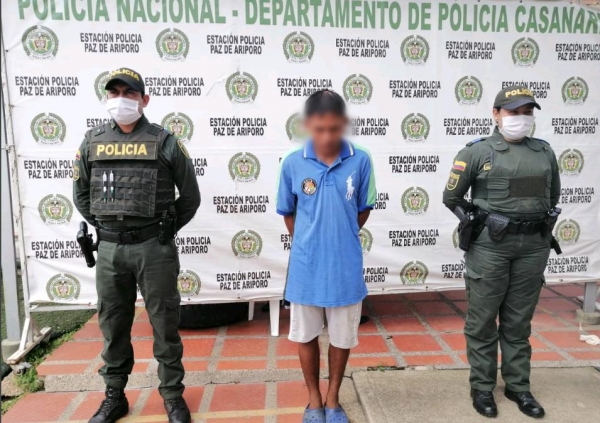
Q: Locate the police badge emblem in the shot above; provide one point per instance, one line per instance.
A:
(55, 209)
(172, 45)
(241, 88)
(468, 90)
(244, 167)
(298, 47)
(63, 287)
(357, 89)
(246, 244)
(414, 273)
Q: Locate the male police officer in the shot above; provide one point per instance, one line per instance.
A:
(125, 174)
(515, 186)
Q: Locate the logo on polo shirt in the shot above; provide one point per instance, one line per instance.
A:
(63, 287)
(414, 50)
(525, 52)
(349, 187)
(358, 89)
(188, 282)
(295, 129)
(414, 273)
(415, 127)
(241, 88)
(40, 42)
(571, 162)
(180, 124)
(246, 244)
(575, 91)
(48, 129)
(468, 90)
(567, 231)
(244, 167)
(99, 85)
(298, 47)
(366, 240)
(172, 44)
(415, 201)
(55, 209)
(309, 186)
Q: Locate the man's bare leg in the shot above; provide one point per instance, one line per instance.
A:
(338, 358)
(310, 361)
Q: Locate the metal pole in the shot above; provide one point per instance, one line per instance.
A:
(589, 297)
(9, 263)
(26, 335)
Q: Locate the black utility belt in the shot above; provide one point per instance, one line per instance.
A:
(129, 237)
(513, 226)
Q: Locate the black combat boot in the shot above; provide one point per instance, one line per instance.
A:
(177, 410)
(483, 402)
(526, 402)
(113, 407)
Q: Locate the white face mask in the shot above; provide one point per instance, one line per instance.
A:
(515, 128)
(123, 110)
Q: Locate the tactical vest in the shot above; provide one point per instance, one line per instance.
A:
(129, 175)
(514, 180)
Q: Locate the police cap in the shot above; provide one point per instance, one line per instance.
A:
(128, 77)
(515, 96)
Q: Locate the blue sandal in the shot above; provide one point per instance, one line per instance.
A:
(314, 415)
(335, 415)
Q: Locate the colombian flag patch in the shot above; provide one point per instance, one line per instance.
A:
(458, 165)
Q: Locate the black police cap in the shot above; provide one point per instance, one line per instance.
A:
(515, 96)
(128, 77)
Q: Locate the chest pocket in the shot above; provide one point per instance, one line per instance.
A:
(122, 190)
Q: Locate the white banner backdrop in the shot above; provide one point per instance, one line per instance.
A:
(228, 77)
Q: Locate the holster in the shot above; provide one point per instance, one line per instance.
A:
(167, 226)
(470, 226)
(497, 226)
(551, 219)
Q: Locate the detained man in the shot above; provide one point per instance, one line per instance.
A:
(326, 192)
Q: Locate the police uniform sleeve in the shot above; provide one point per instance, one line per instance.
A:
(555, 187)
(81, 180)
(184, 176)
(462, 175)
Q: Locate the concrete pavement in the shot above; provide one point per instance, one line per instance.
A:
(569, 395)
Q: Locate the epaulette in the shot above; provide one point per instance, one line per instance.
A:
(545, 142)
(154, 129)
(473, 142)
(99, 130)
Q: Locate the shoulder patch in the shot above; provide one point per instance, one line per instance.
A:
(183, 149)
(99, 130)
(474, 142)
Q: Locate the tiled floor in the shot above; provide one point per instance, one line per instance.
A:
(422, 329)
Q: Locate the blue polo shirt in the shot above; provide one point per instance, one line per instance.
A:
(326, 261)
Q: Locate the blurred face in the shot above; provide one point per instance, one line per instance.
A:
(326, 130)
(526, 110)
(122, 90)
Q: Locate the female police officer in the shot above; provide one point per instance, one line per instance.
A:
(515, 185)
